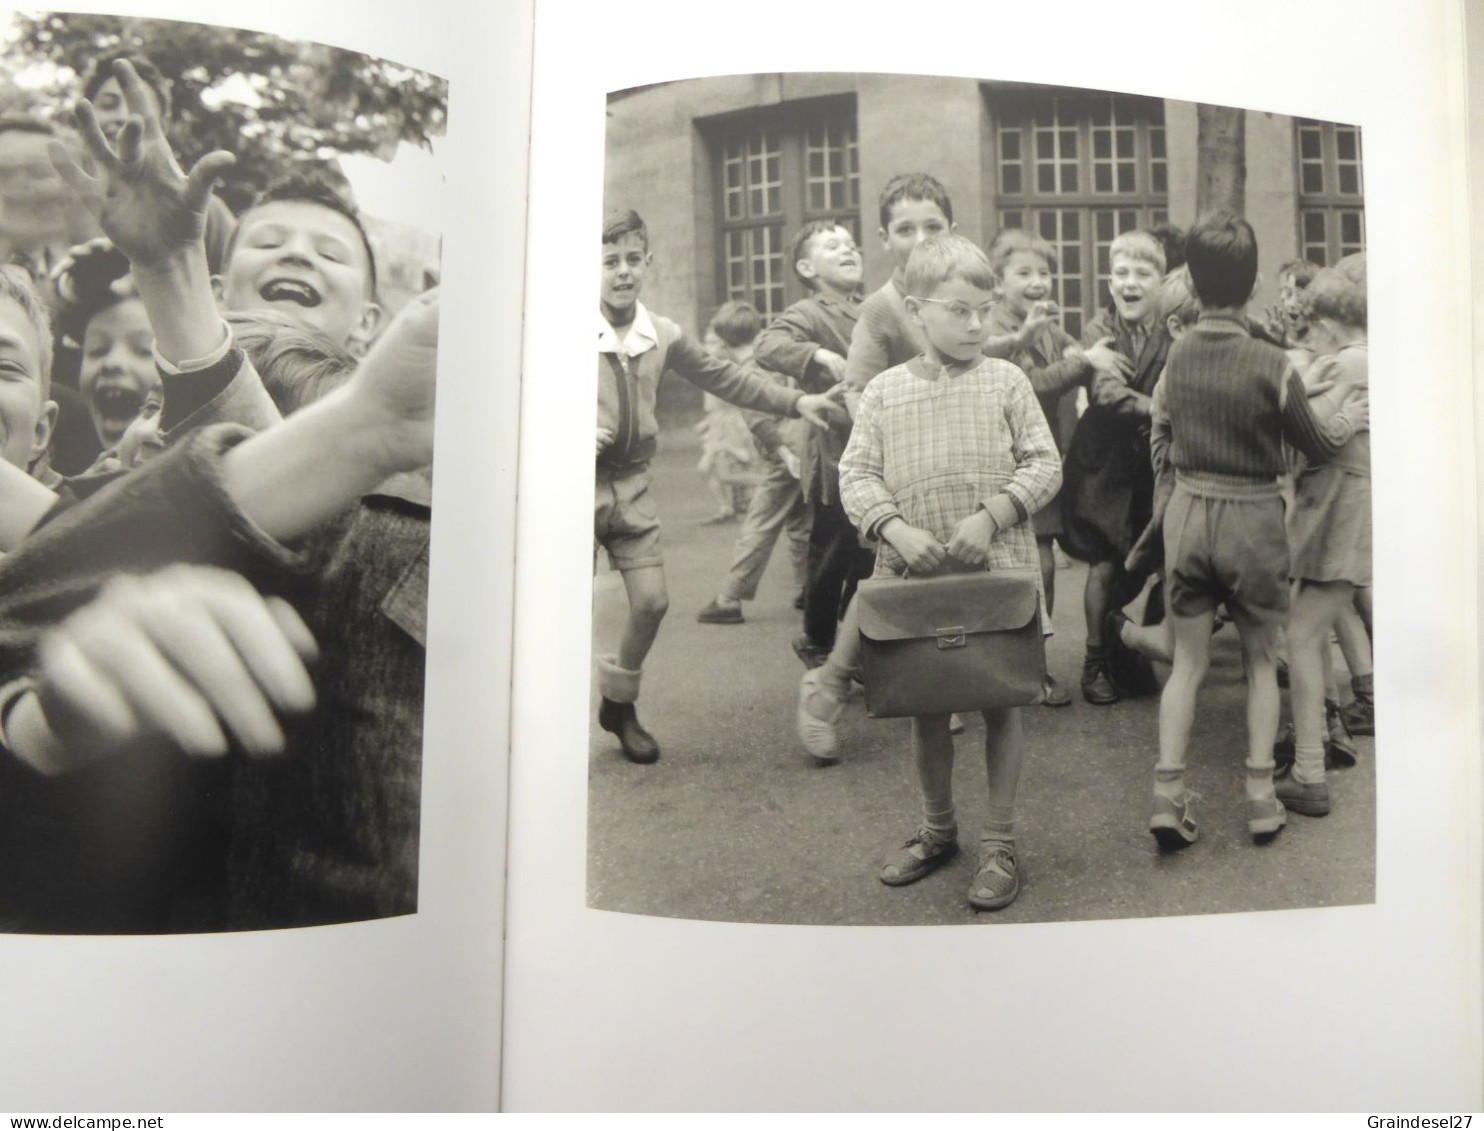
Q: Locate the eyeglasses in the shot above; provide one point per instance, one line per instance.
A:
(960, 312)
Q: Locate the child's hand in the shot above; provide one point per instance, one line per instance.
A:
(1105, 359)
(1040, 315)
(1275, 322)
(922, 552)
(971, 538)
(394, 381)
(147, 206)
(833, 363)
(1357, 407)
(817, 409)
(605, 437)
(190, 654)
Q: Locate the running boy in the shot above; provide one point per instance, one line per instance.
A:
(634, 350)
(1228, 403)
(950, 457)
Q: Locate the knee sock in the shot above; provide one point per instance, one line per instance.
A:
(999, 827)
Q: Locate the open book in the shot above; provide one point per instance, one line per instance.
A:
(593, 934)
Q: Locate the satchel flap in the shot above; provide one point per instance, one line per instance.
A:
(970, 603)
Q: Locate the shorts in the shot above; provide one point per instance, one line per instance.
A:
(1227, 548)
(624, 522)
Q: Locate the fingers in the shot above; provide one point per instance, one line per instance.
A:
(94, 142)
(86, 187)
(137, 96)
(191, 654)
(204, 175)
(130, 142)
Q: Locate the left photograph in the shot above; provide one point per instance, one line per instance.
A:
(219, 264)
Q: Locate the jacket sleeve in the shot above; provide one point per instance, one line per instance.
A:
(1301, 428)
(1037, 475)
(788, 345)
(728, 381)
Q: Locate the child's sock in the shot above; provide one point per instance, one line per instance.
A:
(999, 828)
(835, 679)
(1260, 778)
(1169, 782)
(1308, 764)
(1096, 657)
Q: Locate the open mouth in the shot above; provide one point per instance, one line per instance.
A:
(114, 409)
(290, 290)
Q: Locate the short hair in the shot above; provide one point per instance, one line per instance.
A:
(1177, 299)
(1302, 270)
(1139, 245)
(1221, 253)
(939, 259)
(616, 225)
(298, 363)
(308, 187)
(914, 186)
(1011, 240)
(736, 323)
(1172, 239)
(16, 285)
(102, 70)
(799, 248)
(1336, 296)
(1353, 268)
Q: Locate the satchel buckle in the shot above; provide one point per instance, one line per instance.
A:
(954, 637)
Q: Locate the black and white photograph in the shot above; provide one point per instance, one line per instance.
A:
(996, 547)
(218, 332)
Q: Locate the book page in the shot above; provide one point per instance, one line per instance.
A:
(402, 1012)
(1251, 1010)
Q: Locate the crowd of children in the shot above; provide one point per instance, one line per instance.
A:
(1226, 458)
(228, 583)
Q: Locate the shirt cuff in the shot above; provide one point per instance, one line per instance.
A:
(173, 369)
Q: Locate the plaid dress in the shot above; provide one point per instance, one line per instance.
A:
(931, 450)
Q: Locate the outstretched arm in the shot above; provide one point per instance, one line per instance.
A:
(156, 215)
(191, 656)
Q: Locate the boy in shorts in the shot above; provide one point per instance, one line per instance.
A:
(635, 349)
(1225, 405)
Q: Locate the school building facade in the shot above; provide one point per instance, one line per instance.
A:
(724, 170)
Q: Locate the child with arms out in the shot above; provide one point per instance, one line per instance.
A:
(635, 349)
(949, 459)
(1227, 403)
(1024, 265)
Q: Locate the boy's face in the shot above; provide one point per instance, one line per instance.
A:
(625, 265)
(833, 260)
(912, 221)
(111, 109)
(1291, 303)
(1026, 280)
(1135, 287)
(953, 319)
(118, 368)
(307, 261)
(25, 422)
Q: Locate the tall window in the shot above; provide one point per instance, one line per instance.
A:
(1080, 169)
(1331, 191)
(773, 176)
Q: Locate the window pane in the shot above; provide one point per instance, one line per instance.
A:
(1010, 145)
(1347, 145)
(1102, 178)
(1069, 178)
(1350, 180)
(1125, 143)
(1010, 179)
(1350, 228)
(1313, 227)
(1310, 146)
(1069, 143)
(1071, 225)
(1125, 177)
(1159, 180)
(1046, 178)
(1103, 222)
(1102, 145)
(1313, 180)
(1045, 144)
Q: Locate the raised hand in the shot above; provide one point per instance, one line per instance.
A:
(139, 195)
(1105, 359)
(832, 362)
(394, 383)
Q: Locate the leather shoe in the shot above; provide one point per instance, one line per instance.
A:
(620, 719)
(1097, 688)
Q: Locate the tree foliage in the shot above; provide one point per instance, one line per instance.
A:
(277, 104)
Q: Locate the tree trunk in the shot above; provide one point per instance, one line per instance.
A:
(1221, 154)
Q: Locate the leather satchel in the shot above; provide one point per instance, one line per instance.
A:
(959, 642)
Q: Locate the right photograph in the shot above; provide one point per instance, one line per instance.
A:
(1057, 402)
